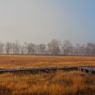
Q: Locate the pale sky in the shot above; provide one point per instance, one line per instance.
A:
(40, 21)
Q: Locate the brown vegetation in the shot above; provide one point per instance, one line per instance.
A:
(51, 83)
(10, 61)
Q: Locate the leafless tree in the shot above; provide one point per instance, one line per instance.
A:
(53, 47)
(31, 48)
(23, 49)
(90, 49)
(1, 48)
(67, 47)
(15, 47)
(41, 48)
(8, 48)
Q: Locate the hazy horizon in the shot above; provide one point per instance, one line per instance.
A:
(40, 21)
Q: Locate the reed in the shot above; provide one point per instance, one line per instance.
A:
(42, 83)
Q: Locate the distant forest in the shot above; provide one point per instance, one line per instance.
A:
(55, 47)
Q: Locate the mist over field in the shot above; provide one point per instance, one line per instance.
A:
(40, 21)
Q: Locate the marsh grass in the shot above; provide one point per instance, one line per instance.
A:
(18, 61)
(53, 83)
(42, 83)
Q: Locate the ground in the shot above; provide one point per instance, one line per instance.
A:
(42, 83)
(17, 61)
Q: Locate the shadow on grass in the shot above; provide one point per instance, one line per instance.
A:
(86, 91)
(5, 91)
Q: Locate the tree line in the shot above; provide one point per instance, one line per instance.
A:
(54, 47)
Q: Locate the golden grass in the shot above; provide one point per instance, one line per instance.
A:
(51, 83)
(10, 61)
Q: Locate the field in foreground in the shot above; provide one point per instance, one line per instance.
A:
(51, 83)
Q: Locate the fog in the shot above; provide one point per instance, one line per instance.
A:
(40, 21)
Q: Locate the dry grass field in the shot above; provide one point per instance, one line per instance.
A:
(51, 83)
(17, 61)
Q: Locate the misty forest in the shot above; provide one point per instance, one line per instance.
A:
(54, 47)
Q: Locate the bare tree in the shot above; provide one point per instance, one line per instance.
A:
(15, 48)
(41, 48)
(67, 47)
(79, 49)
(90, 49)
(1, 48)
(8, 48)
(23, 48)
(53, 47)
(31, 48)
